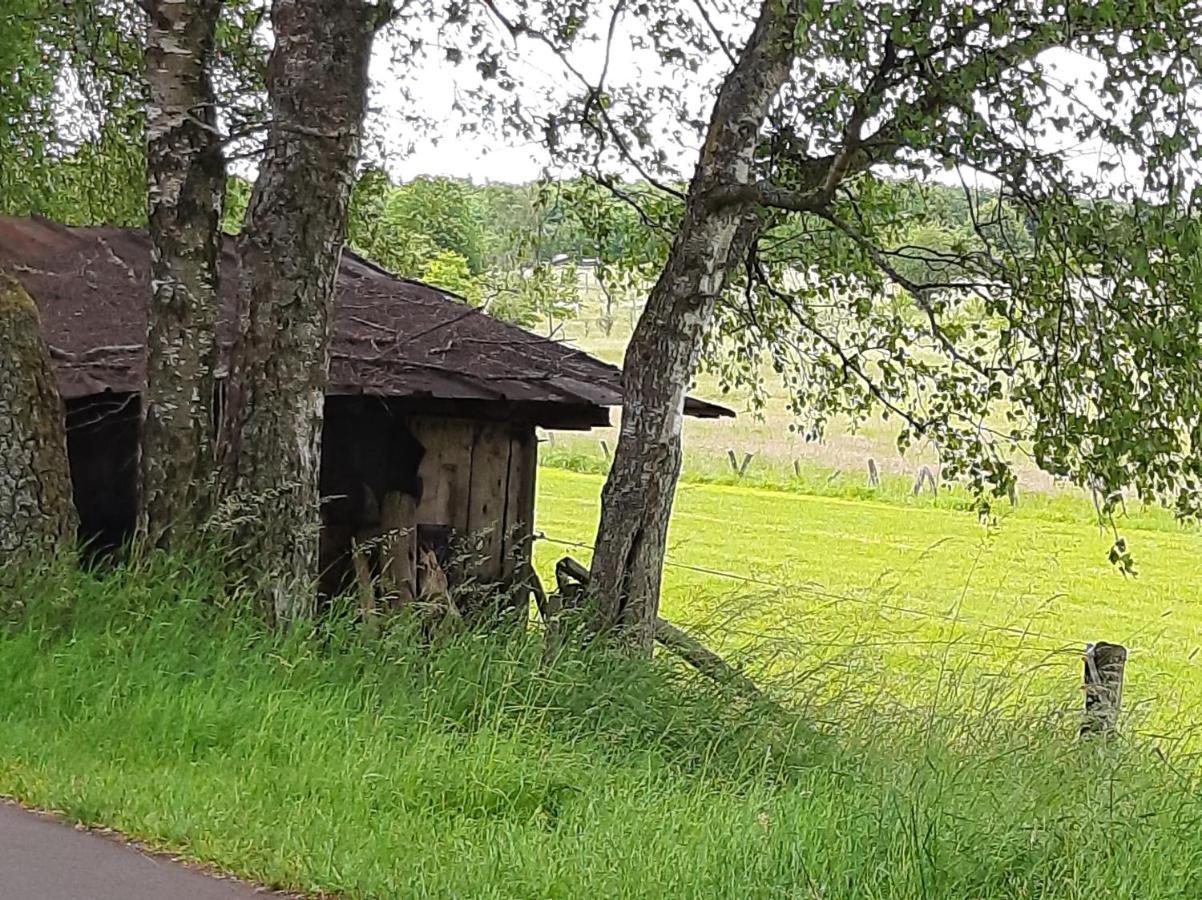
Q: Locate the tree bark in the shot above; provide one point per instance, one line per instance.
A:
(289, 253)
(662, 357)
(37, 516)
(185, 172)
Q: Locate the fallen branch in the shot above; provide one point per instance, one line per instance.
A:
(85, 356)
(550, 606)
(703, 659)
(572, 579)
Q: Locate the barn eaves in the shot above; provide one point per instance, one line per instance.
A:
(393, 337)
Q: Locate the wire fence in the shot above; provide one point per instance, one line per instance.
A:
(1052, 649)
(1057, 643)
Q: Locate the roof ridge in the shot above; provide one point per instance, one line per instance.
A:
(381, 316)
(510, 326)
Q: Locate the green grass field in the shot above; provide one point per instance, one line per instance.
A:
(909, 602)
(888, 598)
(142, 700)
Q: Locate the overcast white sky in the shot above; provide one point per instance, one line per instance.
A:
(407, 151)
(433, 88)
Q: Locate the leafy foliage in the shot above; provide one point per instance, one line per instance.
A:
(25, 103)
(86, 164)
(1062, 319)
(403, 226)
(450, 271)
(72, 117)
(541, 293)
(237, 198)
(443, 231)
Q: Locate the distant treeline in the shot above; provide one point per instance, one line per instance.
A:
(494, 242)
(497, 226)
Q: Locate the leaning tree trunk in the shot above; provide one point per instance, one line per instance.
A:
(37, 516)
(289, 253)
(185, 173)
(662, 357)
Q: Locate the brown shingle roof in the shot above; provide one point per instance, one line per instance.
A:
(393, 337)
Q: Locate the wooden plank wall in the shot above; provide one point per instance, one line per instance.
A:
(478, 478)
(486, 500)
(519, 504)
(445, 470)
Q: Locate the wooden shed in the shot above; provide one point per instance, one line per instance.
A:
(430, 413)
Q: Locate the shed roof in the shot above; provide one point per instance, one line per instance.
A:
(393, 337)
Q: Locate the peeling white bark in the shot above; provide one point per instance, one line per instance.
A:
(662, 357)
(185, 191)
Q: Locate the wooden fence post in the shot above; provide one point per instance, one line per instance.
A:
(925, 475)
(874, 477)
(739, 470)
(746, 463)
(1104, 665)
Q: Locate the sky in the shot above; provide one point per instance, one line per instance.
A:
(429, 88)
(408, 152)
(439, 149)
(436, 83)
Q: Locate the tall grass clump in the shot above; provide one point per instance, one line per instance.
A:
(147, 698)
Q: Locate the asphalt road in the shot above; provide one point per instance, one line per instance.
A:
(44, 859)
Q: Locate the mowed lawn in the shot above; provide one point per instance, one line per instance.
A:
(917, 606)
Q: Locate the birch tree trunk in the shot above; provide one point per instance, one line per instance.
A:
(37, 516)
(288, 254)
(662, 357)
(185, 173)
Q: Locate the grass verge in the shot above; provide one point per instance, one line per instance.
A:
(143, 699)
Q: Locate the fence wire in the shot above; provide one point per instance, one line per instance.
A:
(1058, 644)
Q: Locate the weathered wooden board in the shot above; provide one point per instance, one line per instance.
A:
(486, 500)
(445, 470)
(363, 580)
(398, 519)
(519, 505)
(478, 479)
